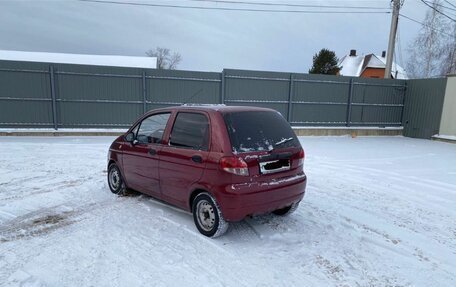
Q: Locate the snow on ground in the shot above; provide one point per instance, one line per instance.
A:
(379, 211)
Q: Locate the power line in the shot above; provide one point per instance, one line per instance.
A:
(450, 3)
(438, 11)
(424, 25)
(440, 5)
(234, 9)
(289, 5)
(449, 10)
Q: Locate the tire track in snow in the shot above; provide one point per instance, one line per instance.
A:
(445, 187)
(45, 220)
(403, 217)
(358, 176)
(400, 244)
(395, 176)
(166, 219)
(243, 232)
(356, 242)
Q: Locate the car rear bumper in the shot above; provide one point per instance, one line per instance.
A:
(240, 200)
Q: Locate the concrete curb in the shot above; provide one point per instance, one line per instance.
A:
(354, 132)
(57, 134)
(439, 139)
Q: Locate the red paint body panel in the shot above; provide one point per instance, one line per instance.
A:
(178, 173)
(140, 169)
(172, 174)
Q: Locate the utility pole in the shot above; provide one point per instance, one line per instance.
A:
(392, 37)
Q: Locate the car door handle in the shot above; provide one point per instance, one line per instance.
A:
(197, 159)
(152, 151)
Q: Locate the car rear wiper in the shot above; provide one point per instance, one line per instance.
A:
(282, 141)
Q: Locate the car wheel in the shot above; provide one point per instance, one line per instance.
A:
(208, 216)
(115, 180)
(286, 210)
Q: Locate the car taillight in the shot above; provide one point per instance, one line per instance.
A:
(234, 165)
(301, 157)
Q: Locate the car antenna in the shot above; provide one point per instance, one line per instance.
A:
(195, 94)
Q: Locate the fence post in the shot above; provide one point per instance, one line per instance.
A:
(222, 88)
(404, 93)
(54, 105)
(349, 102)
(290, 99)
(144, 92)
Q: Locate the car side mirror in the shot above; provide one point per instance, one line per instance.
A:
(130, 137)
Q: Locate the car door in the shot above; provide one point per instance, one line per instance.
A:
(140, 158)
(183, 160)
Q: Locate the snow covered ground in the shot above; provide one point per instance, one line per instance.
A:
(379, 211)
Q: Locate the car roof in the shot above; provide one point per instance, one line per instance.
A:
(214, 108)
(205, 108)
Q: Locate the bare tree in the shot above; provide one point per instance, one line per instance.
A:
(429, 51)
(449, 59)
(174, 60)
(165, 60)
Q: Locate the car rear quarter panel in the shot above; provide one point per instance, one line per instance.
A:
(239, 196)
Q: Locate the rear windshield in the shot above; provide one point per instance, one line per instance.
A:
(259, 131)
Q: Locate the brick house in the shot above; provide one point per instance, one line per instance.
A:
(368, 66)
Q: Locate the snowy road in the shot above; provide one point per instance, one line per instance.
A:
(378, 212)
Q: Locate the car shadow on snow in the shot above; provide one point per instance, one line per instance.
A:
(266, 226)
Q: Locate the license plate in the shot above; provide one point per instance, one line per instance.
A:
(274, 166)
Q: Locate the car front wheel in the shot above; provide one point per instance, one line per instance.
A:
(115, 180)
(208, 216)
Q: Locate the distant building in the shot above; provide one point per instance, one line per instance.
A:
(80, 59)
(368, 66)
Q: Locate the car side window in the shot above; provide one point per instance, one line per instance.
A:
(152, 128)
(190, 130)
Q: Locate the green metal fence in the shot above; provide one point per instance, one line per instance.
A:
(78, 96)
(423, 107)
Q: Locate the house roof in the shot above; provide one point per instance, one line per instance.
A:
(80, 59)
(354, 66)
(351, 65)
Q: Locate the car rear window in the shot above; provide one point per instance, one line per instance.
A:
(259, 131)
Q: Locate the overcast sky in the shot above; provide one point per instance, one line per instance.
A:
(208, 40)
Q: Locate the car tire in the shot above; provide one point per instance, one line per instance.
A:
(207, 216)
(115, 181)
(286, 210)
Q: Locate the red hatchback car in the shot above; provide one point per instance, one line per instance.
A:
(222, 163)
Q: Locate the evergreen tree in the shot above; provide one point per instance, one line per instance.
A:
(325, 62)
